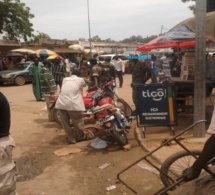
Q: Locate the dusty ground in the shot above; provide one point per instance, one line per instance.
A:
(41, 172)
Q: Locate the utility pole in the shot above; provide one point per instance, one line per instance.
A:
(88, 11)
(200, 68)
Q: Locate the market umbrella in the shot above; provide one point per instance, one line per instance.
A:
(23, 51)
(179, 38)
(210, 25)
(45, 52)
(162, 50)
(77, 48)
(14, 54)
(54, 57)
(93, 51)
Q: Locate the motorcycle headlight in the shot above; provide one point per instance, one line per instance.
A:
(7, 76)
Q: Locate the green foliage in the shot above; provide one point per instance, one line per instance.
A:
(36, 38)
(138, 39)
(82, 39)
(132, 39)
(15, 20)
(96, 39)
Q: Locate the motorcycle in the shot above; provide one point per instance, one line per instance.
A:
(112, 121)
(101, 109)
(98, 96)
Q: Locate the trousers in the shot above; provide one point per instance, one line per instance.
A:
(77, 132)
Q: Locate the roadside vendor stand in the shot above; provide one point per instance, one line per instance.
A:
(185, 92)
(185, 83)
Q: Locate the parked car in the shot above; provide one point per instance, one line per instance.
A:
(17, 74)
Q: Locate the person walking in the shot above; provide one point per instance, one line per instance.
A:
(153, 67)
(8, 167)
(120, 69)
(34, 72)
(71, 106)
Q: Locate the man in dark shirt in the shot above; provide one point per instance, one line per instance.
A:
(58, 71)
(140, 75)
(4, 116)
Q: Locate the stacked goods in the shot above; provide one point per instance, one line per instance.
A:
(184, 72)
(188, 66)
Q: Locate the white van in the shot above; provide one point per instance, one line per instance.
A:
(101, 58)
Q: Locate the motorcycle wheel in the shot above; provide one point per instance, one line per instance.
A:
(174, 166)
(124, 107)
(119, 136)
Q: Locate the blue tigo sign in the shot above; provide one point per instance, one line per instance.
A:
(155, 105)
(140, 57)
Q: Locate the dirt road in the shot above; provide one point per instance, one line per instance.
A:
(41, 172)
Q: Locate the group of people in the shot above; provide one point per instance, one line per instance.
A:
(71, 106)
(47, 76)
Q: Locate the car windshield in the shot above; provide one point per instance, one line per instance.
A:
(22, 66)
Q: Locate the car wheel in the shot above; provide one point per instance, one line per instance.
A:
(1, 83)
(19, 80)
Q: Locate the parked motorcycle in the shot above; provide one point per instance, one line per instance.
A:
(112, 121)
(102, 109)
(98, 96)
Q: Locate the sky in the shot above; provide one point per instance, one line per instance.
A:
(114, 19)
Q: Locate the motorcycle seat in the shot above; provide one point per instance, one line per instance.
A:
(103, 107)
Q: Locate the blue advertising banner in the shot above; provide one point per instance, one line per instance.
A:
(155, 104)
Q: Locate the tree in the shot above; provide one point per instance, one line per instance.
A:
(138, 39)
(36, 38)
(96, 39)
(82, 39)
(210, 5)
(15, 20)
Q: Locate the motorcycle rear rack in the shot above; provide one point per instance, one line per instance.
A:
(179, 181)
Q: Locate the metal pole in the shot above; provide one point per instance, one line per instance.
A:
(89, 28)
(200, 68)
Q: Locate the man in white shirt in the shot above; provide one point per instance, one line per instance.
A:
(71, 106)
(120, 69)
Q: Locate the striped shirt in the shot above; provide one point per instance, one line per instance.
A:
(70, 97)
(59, 71)
(47, 83)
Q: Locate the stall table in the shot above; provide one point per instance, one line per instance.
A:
(185, 92)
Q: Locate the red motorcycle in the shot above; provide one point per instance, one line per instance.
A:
(98, 96)
(106, 109)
